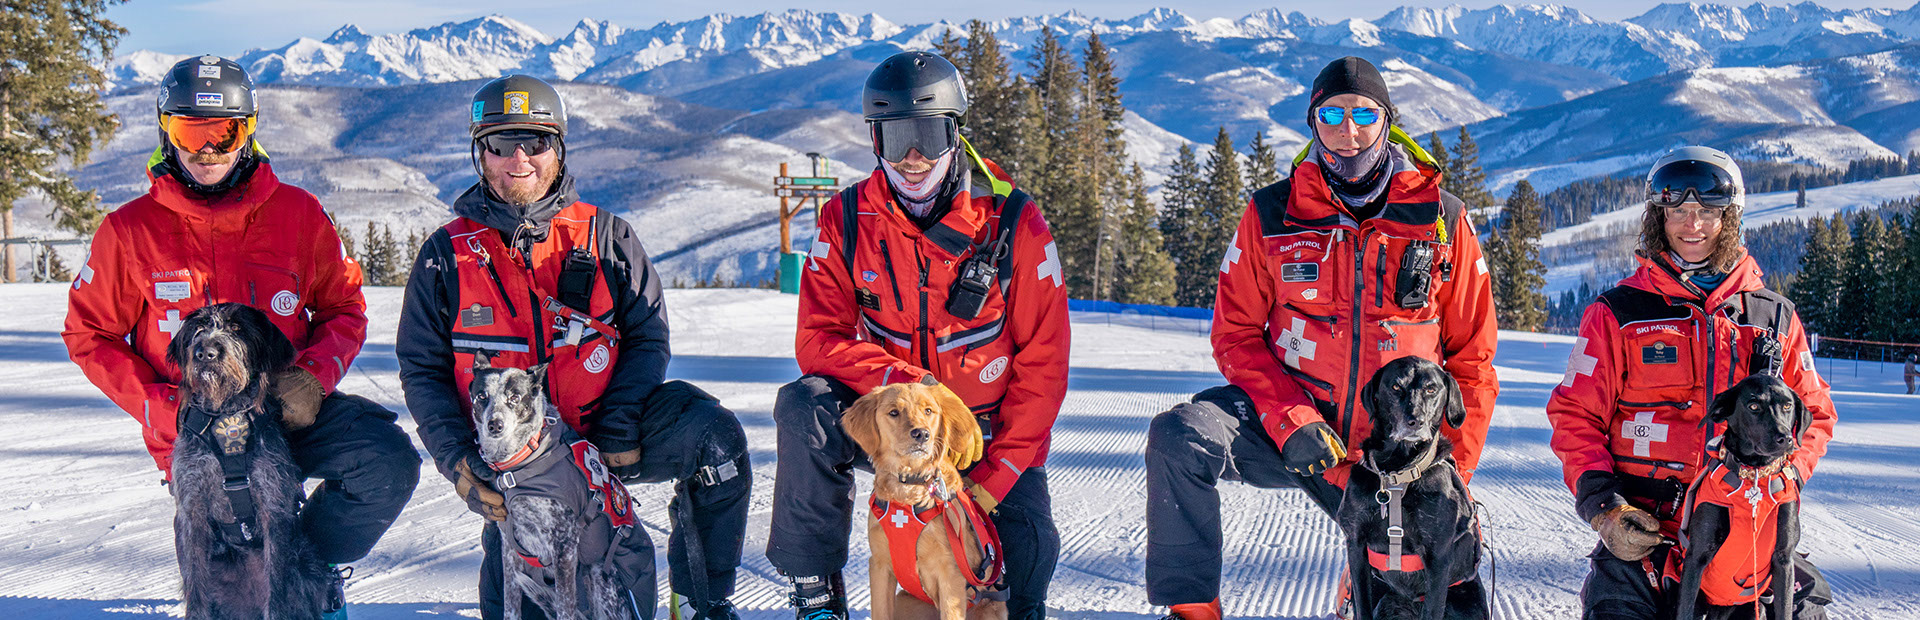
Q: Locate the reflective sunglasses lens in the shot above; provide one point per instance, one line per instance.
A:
(933, 136)
(1711, 185)
(1365, 116)
(1330, 115)
(503, 144)
(191, 134)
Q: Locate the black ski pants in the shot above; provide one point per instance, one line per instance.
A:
(368, 467)
(1622, 590)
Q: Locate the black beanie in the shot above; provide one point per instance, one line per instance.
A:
(1351, 74)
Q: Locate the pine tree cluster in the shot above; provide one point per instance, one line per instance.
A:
(385, 260)
(1859, 275)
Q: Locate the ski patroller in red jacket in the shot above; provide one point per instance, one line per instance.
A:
(1651, 355)
(165, 254)
(886, 322)
(1306, 310)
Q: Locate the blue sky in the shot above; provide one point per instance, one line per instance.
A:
(232, 26)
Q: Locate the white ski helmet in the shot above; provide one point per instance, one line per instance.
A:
(1709, 174)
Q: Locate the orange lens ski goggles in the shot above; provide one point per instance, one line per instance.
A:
(192, 133)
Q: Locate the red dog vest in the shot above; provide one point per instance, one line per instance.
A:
(510, 310)
(1741, 570)
(903, 527)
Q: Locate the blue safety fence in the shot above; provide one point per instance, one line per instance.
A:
(1169, 318)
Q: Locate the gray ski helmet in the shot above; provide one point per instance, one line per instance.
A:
(207, 86)
(910, 84)
(517, 102)
(1700, 159)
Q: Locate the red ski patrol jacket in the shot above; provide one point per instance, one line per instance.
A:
(1309, 304)
(167, 253)
(1651, 355)
(886, 321)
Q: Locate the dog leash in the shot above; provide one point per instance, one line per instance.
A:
(992, 563)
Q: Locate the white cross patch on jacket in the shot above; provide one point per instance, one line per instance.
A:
(819, 251)
(1233, 254)
(1050, 268)
(1579, 362)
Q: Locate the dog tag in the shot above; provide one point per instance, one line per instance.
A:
(1300, 272)
(476, 316)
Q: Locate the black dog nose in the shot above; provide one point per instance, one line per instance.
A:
(919, 434)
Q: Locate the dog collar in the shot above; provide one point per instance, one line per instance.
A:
(525, 452)
(1408, 474)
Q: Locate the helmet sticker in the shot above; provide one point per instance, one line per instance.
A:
(516, 103)
(213, 100)
(209, 60)
(210, 71)
(478, 106)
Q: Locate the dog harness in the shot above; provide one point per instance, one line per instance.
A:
(567, 469)
(1741, 569)
(1393, 487)
(545, 303)
(904, 525)
(228, 434)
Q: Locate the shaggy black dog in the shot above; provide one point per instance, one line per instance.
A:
(1408, 490)
(236, 527)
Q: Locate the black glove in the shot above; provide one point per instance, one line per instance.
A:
(1312, 449)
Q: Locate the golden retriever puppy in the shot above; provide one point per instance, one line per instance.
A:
(919, 436)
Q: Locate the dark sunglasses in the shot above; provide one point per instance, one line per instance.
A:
(1334, 115)
(933, 136)
(1681, 182)
(533, 143)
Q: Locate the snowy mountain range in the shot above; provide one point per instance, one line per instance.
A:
(686, 119)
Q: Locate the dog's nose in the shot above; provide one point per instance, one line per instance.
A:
(206, 354)
(919, 434)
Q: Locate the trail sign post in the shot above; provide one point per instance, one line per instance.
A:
(794, 193)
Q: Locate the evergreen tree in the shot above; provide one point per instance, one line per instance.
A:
(950, 47)
(1513, 257)
(1465, 180)
(1103, 173)
(1180, 227)
(1823, 274)
(1906, 321)
(1439, 153)
(994, 115)
(1056, 84)
(1263, 163)
(1220, 200)
(1864, 300)
(375, 264)
(1145, 274)
(1800, 198)
(51, 116)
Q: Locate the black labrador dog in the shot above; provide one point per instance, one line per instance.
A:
(237, 495)
(1765, 419)
(1413, 547)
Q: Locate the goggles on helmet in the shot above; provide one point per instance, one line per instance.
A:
(932, 136)
(504, 143)
(1691, 181)
(192, 133)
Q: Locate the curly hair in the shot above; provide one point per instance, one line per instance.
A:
(1727, 246)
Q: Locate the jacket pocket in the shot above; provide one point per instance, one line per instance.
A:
(1658, 354)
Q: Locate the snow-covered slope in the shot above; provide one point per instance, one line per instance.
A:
(85, 525)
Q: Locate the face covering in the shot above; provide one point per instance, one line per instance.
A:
(919, 198)
(1356, 180)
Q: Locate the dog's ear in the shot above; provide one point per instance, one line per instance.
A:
(1456, 405)
(1722, 407)
(1802, 419)
(274, 352)
(1370, 394)
(860, 420)
(482, 361)
(539, 373)
(177, 352)
(961, 430)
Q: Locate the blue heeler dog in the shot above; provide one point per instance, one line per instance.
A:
(571, 543)
(237, 495)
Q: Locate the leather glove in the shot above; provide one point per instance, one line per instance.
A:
(980, 496)
(1312, 449)
(300, 395)
(479, 493)
(1629, 533)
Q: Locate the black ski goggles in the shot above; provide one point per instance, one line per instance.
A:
(1681, 182)
(932, 136)
(534, 143)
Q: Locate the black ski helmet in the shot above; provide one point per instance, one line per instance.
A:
(910, 84)
(517, 102)
(209, 87)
